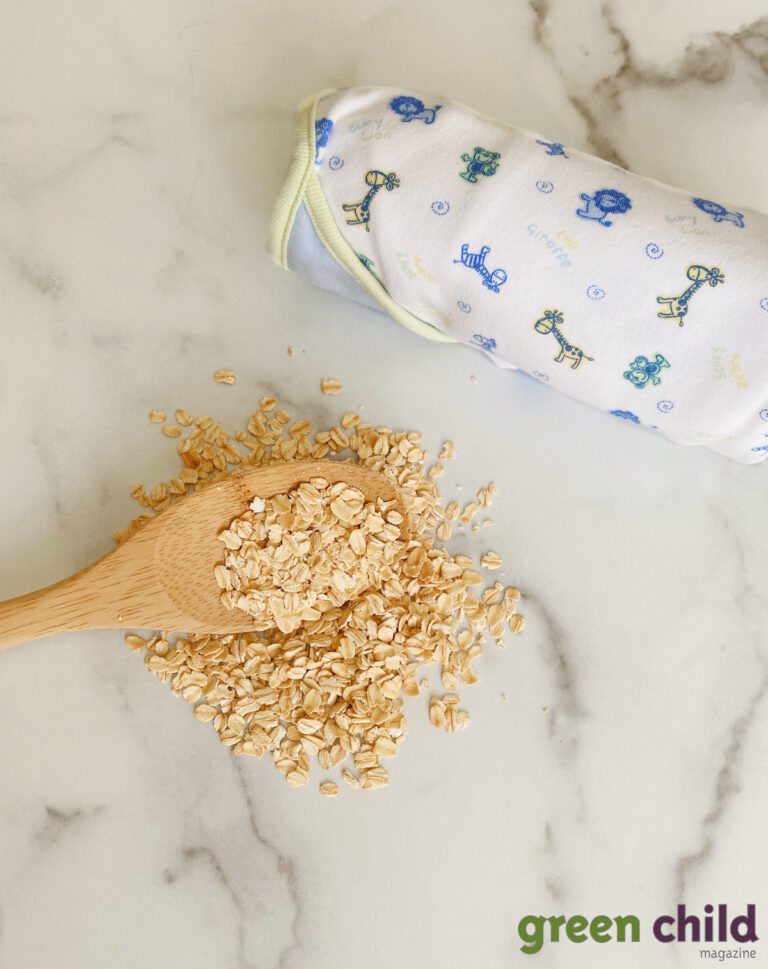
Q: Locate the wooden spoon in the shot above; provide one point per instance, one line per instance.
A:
(162, 577)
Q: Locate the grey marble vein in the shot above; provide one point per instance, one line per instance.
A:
(286, 867)
(725, 788)
(58, 823)
(707, 61)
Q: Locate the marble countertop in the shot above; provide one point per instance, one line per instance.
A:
(143, 146)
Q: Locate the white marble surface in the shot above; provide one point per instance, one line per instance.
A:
(142, 146)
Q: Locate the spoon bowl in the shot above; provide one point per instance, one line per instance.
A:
(162, 577)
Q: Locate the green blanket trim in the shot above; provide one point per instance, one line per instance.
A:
(303, 185)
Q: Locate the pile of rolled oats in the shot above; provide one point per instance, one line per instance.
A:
(291, 558)
(341, 642)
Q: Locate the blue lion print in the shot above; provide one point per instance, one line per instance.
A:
(476, 260)
(412, 109)
(323, 128)
(627, 415)
(718, 212)
(486, 342)
(553, 147)
(605, 202)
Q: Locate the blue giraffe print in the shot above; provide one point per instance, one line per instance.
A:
(627, 415)
(549, 322)
(476, 260)
(719, 212)
(323, 127)
(677, 306)
(553, 147)
(605, 202)
(412, 109)
(361, 211)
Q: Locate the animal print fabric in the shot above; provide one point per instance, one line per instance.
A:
(646, 301)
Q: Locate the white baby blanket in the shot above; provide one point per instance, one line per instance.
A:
(633, 296)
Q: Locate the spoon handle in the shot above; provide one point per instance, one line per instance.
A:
(58, 608)
(110, 593)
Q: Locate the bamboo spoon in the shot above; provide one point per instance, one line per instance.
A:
(162, 577)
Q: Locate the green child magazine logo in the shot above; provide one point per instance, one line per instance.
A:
(535, 930)
(713, 926)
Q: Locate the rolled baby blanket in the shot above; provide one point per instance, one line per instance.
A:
(638, 298)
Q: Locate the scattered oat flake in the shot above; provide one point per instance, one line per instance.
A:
(331, 386)
(156, 416)
(172, 430)
(184, 418)
(329, 789)
(291, 351)
(491, 561)
(225, 377)
(473, 378)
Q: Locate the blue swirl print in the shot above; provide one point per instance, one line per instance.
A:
(335, 163)
(627, 415)
(441, 208)
(464, 307)
(653, 251)
(764, 303)
(545, 187)
(539, 375)
(594, 292)
(665, 406)
(764, 414)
